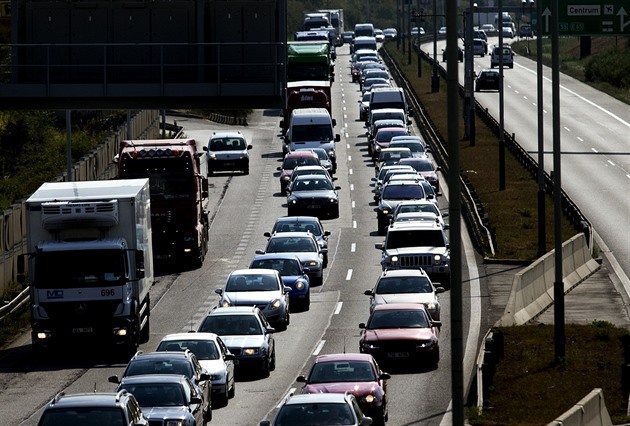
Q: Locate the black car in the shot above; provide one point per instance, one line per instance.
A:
(247, 334)
(487, 80)
(90, 409)
(313, 194)
(310, 224)
(168, 398)
(181, 363)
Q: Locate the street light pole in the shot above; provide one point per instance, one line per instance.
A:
(435, 78)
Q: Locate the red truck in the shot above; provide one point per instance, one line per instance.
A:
(306, 94)
(178, 189)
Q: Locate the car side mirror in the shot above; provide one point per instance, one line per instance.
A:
(439, 289)
(113, 379)
(264, 423)
(379, 246)
(326, 233)
(267, 234)
(229, 357)
(301, 379)
(250, 146)
(204, 377)
(368, 293)
(259, 251)
(279, 168)
(287, 290)
(337, 188)
(218, 291)
(337, 137)
(306, 270)
(195, 400)
(385, 376)
(270, 330)
(362, 325)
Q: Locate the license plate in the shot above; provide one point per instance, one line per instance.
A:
(79, 330)
(313, 206)
(398, 354)
(228, 163)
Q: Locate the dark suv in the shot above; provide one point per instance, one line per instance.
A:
(93, 409)
(184, 363)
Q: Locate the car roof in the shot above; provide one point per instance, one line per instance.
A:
(316, 398)
(153, 378)
(91, 399)
(227, 134)
(161, 355)
(254, 271)
(403, 273)
(233, 310)
(400, 306)
(293, 234)
(189, 336)
(344, 357)
(297, 219)
(312, 176)
(301, 153)
(390, 129)
(281, 255)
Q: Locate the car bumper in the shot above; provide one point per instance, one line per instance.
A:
(227, 165)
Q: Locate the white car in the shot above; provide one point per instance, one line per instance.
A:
(258, 287)
(212, 354)
(420, 206)
(406, 286)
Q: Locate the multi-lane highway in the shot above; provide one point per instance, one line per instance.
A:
(244, 207)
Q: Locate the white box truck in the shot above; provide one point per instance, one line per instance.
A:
(90, 263)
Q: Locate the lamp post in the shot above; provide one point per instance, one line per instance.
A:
(416, 17)
(435, 78)
(531, 29)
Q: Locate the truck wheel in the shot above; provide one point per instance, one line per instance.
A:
(145, 333)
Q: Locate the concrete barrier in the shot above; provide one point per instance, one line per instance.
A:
(589, 411)
(532, 288)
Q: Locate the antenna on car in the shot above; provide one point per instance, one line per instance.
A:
(191, 325)
(344, 344)
(94, 387)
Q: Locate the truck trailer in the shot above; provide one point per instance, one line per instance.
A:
(90, 264)
(179, 189)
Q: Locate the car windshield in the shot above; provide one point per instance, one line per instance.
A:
(298, 226)
(312, 132)
(231, 325)
(398, 318)
(394, 155)
(419, 208)
(310, 414)
(84, 416)
(157, 394)
(203, 349)
(415, 238)
(402, 192)
(398, 285)
(312, 185)
(291, 244)
(421, 166)
(292, 163)
(227, 144)
(413, 146)
(286, 267)
(252, 283)
(342, 371)
(159, 366)
(387, 135)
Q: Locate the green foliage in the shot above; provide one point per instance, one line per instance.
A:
(612, 67)
(602, 329)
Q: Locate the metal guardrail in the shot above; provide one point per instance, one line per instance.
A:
(474, 215)
(14, 304)
(473, 212)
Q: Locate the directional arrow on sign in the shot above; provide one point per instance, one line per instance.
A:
(622, 14)
(546, 14)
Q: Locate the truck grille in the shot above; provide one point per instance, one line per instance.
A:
(84, 312)
(415, 261)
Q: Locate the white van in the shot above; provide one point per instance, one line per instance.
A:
(312, 128)
(368, 43)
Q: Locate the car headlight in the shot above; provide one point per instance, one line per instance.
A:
(250, 351)
(174, 422)
(424, 345)
(369, 399)
(286, 178)
(292, 201)
(215, 377)
(333, 200)
(212, 156)
(385, 211)
(431, 306)
(299, 285)
(331, 153)
(275, 304)
(393, 259)
(312, 263)
(437, 258)
(226, 303)
(367, 345)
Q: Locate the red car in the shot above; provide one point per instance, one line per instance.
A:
(291, 161)
(426, 167)
(358, 374)
(400, 332)
(382, 138)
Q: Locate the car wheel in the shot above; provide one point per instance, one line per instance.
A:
(325, 262)
(266, 370)
(232, 391)
(272, 363)
(246, 171)
(306, 305)
(207, 415)
(222, 401)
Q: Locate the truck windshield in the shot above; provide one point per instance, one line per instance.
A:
(317, 71)
(315, 132)
(168, 178)
(73, 269)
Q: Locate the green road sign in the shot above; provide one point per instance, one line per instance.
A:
(586, 17)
